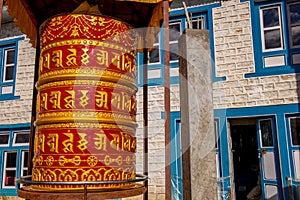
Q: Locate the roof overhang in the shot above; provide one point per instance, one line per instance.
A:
(30, 14)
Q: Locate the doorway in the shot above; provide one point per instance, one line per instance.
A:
(245, 158)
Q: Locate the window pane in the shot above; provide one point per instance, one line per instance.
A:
(10, 56)
(197, 23)
(25, 159)
(156, 38)
(10, 177)
(154, 55)
(11, 159)
(4, 139)
(266, 133)
(9, 75)
(174, 31)
(270, 17)
(25, 172)
(272, 39)
(295, 13)
(22, 138)
(295, 130)
(173, 51)
(296, 35)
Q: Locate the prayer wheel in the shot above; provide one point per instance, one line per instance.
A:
(86, 106)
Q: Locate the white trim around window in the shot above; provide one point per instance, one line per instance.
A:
(24, 166)
(21, 138)
(197, 22)
(294, 123)
(271, 30)
(155, 51)
(294, 24)
(173, 41)
(9, 169)
(4, 139)
(9, 64)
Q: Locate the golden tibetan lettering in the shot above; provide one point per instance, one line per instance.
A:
(86, 106)
(100, 141)
(71, 58)
(57, 58)
(70, 99)
(55, 99)
(68, 143)
(53, 142)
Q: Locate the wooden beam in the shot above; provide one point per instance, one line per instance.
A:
(1, 7)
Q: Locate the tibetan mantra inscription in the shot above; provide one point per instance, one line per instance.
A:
(86, 106)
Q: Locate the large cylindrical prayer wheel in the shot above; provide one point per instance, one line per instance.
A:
(86, 107)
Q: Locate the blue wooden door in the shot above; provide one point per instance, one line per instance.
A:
(293, 123)
(268, 158)
(176, 164)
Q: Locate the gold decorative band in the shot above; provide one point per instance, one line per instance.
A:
(86, 73)
(90, 43)
(82, 174)
(96, 83)
(64, 117)
(99, 160)
(81, 125)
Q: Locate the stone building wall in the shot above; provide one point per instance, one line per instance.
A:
(234, 57)
(156, 140)
(20, 110)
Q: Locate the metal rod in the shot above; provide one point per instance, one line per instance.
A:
(145, 114)
(167, 100)
(27, 180)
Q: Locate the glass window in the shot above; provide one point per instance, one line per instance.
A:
(11, 159)
(173, 51)
(266, 133)
(9, 65)
(197, 23)
(10, 166)
(271, 28)
(271, 17)
(295, 130)
(21, 138)
(24, 170)
(294, 19)
(4, 139)
(175, 32)
(10, 176)
(154, 56)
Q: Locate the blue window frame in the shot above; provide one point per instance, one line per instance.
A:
(276, 37)
(176, 162)
(14, 153)
(176, 154)
(177, 24)
(8, 68)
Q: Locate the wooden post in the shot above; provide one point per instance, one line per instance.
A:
(1, 7)
(145, 114)
(33, 108)
(167, 101)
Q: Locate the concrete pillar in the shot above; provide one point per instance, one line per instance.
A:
(197, 121)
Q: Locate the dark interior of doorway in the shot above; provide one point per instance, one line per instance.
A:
(245, 160)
